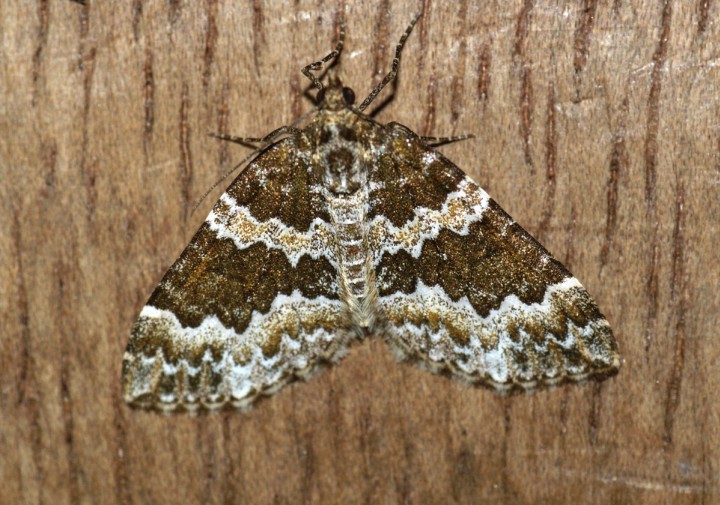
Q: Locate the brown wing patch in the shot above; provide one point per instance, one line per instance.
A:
(213, 277)
(399, 184)
(278, 184)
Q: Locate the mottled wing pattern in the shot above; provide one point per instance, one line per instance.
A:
(467, 291)
(250, 304)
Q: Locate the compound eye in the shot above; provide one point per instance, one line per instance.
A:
(348, 96)
(320, 98)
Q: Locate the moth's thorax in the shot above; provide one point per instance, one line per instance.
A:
(340, 150)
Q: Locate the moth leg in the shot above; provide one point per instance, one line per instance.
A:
(253, 140)
(395, 65)
(441, 141)
(335, 53)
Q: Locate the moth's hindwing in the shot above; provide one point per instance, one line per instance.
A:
(464, 289)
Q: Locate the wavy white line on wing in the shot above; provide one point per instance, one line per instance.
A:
(286, 311)
(489, 338)
(462, 207)
(238, 224)
(301, 324)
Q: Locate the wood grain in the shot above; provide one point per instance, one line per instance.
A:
(597, 129)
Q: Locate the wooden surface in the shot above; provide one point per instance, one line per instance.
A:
(597, 129)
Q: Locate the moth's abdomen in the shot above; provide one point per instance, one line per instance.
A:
(352, 245)
(354, 262)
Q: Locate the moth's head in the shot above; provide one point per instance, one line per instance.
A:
(335, 96)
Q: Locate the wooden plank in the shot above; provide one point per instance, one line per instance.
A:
(596, 128)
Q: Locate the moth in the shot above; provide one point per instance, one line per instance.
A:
(346, 228)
